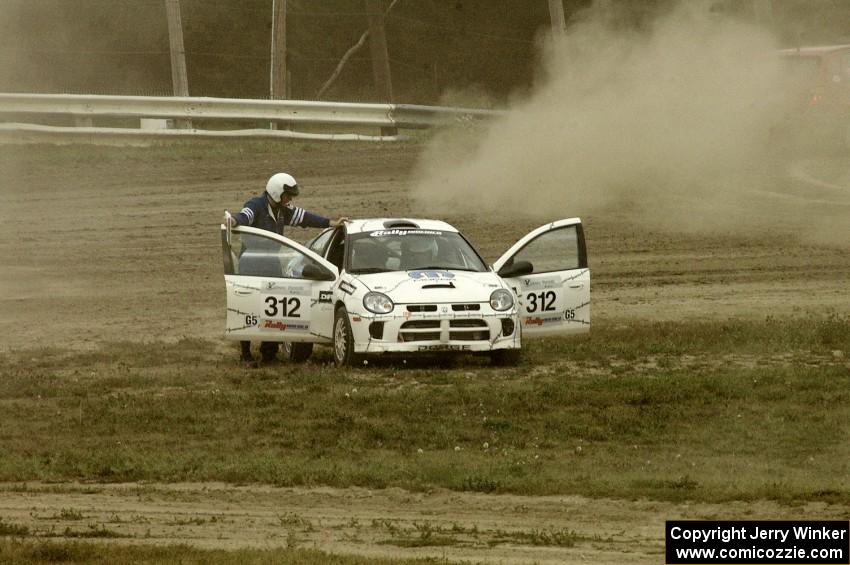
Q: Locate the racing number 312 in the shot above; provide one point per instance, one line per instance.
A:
(543, 301)
(287, 307)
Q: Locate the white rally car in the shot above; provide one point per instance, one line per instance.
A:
(406, 286)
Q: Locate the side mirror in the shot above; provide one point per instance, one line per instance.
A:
(516, 269)
(316, 272)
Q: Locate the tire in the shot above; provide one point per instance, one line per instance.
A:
(297, 352)
(506, 357)
(344, 355)
(268, 351)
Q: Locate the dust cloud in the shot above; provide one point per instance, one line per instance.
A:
(679, 125)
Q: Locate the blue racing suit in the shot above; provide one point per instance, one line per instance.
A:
(258, 213)
(261, 261)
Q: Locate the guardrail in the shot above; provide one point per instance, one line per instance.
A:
(85, 108)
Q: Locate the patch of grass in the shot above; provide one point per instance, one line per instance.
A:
(667, 411)
(92, 553)
(421, 541)
(93, 531)
(290, 519)
(758, 337)
(389, 525)
(197, 521)
(423, 534)
(69, 514)
(541, 537)
(481, 484)
(9, 529)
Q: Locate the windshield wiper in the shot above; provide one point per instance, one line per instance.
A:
(368, 270)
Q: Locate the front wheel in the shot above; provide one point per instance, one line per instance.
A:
(297, 352)
(344, 355)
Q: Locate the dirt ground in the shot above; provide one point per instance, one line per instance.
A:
(385, 523)
(117, 248)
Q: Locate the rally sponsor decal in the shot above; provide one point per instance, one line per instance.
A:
(541, 283)
(325, 296)
(281, 287)
(417, 275)
(382, 233)
(280, 326)
(347, 287)
(538, 321)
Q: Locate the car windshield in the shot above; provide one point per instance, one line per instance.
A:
(411, 250)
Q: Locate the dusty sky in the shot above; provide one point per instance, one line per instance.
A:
(681, 126)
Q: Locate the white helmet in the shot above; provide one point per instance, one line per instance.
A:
(281, 184)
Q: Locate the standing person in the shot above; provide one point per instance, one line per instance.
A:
(271, 211)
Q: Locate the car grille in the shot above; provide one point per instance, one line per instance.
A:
(468, 330)
(459, 330)
(419, 330)
(421, 325)
(467, 324)
(466, 307)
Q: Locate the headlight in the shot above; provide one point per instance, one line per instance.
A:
(501, 300)
(378, 303)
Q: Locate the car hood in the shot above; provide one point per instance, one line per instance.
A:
(437, 286)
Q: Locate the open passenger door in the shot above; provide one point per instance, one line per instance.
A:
(547, 270)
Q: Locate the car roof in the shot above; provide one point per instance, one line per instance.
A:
(374, 224)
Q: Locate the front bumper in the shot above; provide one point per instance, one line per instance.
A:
(407, 332)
